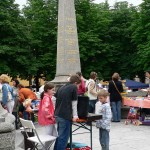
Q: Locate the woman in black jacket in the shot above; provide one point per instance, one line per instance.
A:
(115, 88)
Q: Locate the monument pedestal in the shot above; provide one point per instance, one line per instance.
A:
(60, 81)
(7, 130)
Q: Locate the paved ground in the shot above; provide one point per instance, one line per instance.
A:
(122, 137)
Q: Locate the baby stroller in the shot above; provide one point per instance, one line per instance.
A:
(132, 116)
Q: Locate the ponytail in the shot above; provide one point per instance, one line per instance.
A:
(47, 86)
(42, 95)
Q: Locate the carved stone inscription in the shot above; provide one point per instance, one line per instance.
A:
(68, 60)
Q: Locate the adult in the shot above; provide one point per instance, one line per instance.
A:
(137, 79)
(81, 89)
(25, 93)
(7, 93)
(16, 101)
(115, 88)
(92, 91)
(66, 110)
(41, 89)
(147, 75)
(0, 92)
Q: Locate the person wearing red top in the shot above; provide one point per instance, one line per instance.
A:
(46, 110)
(81, 89)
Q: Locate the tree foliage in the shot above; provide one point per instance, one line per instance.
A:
(141, 36)
(10, 38)
(111, 39)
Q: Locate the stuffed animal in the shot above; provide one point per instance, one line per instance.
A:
(27, 105)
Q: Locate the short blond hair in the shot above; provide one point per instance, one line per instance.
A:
(102, 92)
(4, 78)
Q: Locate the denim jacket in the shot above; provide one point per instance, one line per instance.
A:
(5, 92)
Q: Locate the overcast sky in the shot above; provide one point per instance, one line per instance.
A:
(111, 2)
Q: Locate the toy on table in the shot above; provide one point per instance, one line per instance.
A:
(31, 105)
(132, 116)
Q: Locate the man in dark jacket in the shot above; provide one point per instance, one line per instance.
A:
(66, 110)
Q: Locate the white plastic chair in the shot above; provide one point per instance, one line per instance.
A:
(37, 138)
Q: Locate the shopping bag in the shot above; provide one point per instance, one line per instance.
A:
(82, 148)
(78, 146)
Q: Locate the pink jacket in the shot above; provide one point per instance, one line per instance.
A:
(46, 111)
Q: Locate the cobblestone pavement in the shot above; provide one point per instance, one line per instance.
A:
(122, 137)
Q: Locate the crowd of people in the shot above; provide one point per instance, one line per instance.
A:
(13, 98)
(16, 99)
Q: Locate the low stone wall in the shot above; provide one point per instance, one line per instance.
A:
(7, 141)
(7, 130)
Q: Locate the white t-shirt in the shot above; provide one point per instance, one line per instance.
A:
(41, 89)
(98, 108)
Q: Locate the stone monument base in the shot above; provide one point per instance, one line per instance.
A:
(7, 130)
(60, 81)
(7, 140)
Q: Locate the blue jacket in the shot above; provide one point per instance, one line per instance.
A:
(5, 92)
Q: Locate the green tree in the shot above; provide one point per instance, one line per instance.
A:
(105, 38)
(141, 37)
(121, 49)
(90, 19)
(40, 19)
(111, 39)
(10, 37)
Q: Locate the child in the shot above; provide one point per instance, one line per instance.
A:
(46, 111)
(104, 123)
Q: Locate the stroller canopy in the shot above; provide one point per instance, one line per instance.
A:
(135, 85)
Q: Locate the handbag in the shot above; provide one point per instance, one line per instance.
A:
(118, 92)
(9, 97)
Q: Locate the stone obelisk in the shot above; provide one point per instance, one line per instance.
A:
(68, 59)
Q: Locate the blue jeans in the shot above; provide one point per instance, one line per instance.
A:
(104, 138)
(116, 110)
(63, 128)
(92, 106)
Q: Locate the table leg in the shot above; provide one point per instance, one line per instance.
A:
(91, 136)
(140, 111)
(71, 136)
